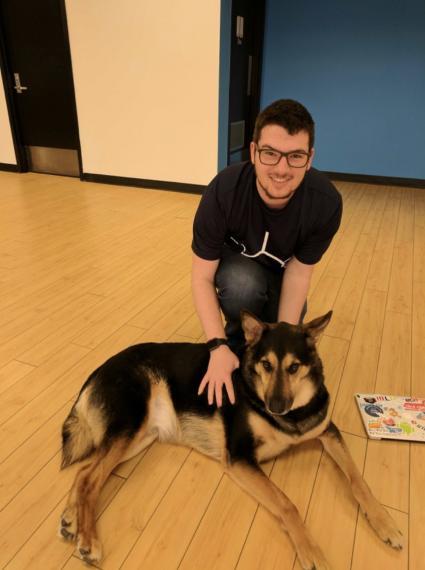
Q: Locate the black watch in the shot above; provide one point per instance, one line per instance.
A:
(215, 343)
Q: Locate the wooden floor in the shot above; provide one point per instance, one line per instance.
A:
(87, 269)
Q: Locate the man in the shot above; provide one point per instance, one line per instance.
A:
(260, 228)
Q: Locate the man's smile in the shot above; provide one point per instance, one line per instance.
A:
(280, 179)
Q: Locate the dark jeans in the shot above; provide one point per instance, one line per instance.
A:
(244, 283)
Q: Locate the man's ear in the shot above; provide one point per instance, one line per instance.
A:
(253, 328)
(317, 326)
(252, 148)
(310, 160)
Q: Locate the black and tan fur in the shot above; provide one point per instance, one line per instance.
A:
(149, 392)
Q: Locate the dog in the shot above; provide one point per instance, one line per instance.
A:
(148, 392)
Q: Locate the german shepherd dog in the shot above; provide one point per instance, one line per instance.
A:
(148, 392)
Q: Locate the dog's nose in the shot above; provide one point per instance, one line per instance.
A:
(278, 405)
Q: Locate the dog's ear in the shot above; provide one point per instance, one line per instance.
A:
(253, 328)
(317, 326)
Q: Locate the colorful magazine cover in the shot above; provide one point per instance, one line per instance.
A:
(392, 417)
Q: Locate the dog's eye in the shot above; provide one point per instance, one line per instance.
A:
(266, 365)
(293, 368)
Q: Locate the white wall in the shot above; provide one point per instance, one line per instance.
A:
(146, 77)
(7, 151)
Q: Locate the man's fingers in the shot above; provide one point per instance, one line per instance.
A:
(216, 389)
(202, 384)
(210, 392)
(218, 393)
(230, 390)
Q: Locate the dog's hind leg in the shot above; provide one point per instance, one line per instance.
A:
(139, 444)
(88, 484)
(376, 514)
(68, 521)
(252, 479)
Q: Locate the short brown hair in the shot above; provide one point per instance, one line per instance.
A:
(288, 114)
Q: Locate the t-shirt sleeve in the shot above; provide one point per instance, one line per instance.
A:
(318, 241)
(209, 225)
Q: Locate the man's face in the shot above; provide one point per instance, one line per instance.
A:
(277, 184)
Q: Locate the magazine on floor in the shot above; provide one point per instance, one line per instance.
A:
(392, 417)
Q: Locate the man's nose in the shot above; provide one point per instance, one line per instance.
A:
(283, 166)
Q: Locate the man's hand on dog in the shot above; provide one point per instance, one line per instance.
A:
(222, 363)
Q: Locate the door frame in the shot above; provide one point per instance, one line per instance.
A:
(21, 158)
(256, 69)
(257, 64)
(223, 151)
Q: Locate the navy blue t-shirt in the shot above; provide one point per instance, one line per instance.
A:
(231, 213)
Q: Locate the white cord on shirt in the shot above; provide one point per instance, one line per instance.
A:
(262, 251)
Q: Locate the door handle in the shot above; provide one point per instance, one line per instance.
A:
(19, 88)
(239, 29)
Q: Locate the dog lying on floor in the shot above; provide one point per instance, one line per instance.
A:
(148, 392)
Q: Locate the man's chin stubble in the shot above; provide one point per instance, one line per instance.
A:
(274, 197)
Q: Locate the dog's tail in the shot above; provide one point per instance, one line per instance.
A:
(77, 440)
(82, 431)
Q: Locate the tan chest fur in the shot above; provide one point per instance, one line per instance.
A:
(269, 441)
(272, 442)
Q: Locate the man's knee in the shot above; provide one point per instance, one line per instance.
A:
(241, 284)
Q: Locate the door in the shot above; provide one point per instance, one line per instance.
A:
(245, 74)
(39, 84)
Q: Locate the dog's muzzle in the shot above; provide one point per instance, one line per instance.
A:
(279, 406)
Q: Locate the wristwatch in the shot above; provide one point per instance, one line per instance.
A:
(215, 343)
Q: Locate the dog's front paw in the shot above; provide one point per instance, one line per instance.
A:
(311, 558)
(386, 528)
(89, 550)
(68, 524)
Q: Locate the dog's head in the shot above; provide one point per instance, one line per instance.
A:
(281, 362)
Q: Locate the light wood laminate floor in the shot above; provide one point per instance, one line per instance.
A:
(87, 269)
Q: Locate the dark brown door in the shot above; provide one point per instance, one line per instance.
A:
(37, 69)
(245, 74)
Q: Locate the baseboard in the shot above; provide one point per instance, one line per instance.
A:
(368, 179)
(143, 183)
(199, 188)
(9, 167)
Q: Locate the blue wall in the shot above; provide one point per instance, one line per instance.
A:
(359, 67)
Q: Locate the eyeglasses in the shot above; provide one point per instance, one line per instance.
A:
(271, 157)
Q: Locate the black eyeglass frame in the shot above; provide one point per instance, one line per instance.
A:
(285, 154)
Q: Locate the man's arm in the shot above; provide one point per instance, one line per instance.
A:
(205, 296)
(295, 286)
(222, 360)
